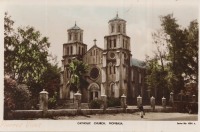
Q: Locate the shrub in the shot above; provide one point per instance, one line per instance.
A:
(112, 102)
(95, 104)
(15, 96)
(52, 102)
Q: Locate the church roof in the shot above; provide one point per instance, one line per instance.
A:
(137, 63)
(117, 18)
(95, 46)
(75, 27)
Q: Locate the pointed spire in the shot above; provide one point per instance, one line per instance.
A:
(117, 14)
(75, 23)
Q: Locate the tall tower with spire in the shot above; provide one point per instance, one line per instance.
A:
(116, 59)
(74, 48)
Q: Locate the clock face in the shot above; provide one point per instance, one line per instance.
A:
(112, 55)
(94, 73)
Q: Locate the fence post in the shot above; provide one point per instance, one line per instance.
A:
(139, 100)
(193, 98)
(171, 99)
(77, 97)
(152, 101)
(104, 99)
(164, 102)
(44, 102)
(123, 102)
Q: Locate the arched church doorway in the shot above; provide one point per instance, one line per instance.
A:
(93, 91)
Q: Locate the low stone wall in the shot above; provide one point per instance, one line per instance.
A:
(31, 114)
(26, 114)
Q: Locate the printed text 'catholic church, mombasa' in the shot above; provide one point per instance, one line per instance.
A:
(113, 72)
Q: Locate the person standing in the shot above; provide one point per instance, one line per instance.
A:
(142, 113)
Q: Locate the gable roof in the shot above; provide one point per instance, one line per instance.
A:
(94, 47)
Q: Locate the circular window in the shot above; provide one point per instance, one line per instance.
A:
(94, 73)
(112, 55)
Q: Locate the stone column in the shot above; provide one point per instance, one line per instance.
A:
(164, 102)
(193, 98)
(77, 97)
(104, 99)
(152, 102)
(44, 101)
(171, 98)
(123, 102)
(139, 100)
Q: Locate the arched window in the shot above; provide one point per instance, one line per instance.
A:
(67, 50)
(71, 50)
(82, 50)
(112, 90)
(112, 28)
(75, 37)
(79, 50)
(118, 29)
(70, 36)
(114, 70)
(110, 68)
(114, 43)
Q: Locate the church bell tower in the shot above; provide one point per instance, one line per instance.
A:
(74, 48)
(116, 59)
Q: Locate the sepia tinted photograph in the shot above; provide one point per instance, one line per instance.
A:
(100, 63)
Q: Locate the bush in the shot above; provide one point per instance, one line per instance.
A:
(15, 96)
(52, 102)
(95, 104)
(112, 102)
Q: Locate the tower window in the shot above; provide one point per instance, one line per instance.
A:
(112, 28)
(79, 50)
(119, 28)
(114, 42)
(110, 43)
(75, 37)
(70, 36)
(71, 50)
(67, 50)
(114, 69)
(82, 50)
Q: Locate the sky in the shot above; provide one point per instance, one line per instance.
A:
(53, 17)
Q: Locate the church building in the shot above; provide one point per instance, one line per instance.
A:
(113, 71)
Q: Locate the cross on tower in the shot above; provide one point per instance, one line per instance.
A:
(95, 41)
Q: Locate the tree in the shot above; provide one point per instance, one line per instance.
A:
(182, 45)
(77, 71)
(9, 44)
(27, 60)
(176, 56)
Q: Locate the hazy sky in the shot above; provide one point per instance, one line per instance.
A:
(53, 18)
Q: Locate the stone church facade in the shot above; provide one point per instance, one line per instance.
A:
(113, 71)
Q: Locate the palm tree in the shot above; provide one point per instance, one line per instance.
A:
(77, 71)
